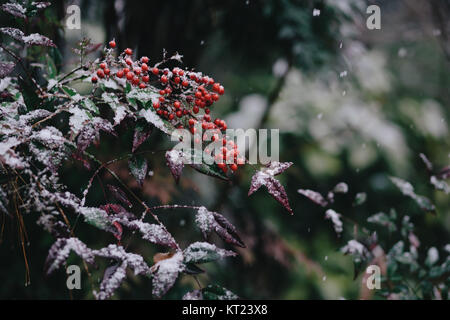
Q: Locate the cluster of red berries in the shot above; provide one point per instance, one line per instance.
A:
(182, 96)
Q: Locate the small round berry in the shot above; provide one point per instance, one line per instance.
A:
(146, 78)
(160, 112)
(181, 73)
(144, 59)
(164, 79)
(162, 92)
(215, 96)
(128, 51)
(161, 99)
(94, 79)
(177, 80)
(126, 70)
(135, 81)
(171, 116)
(107, 71)
(221, 90)
(193, 130)
(207, 111)
(168, 90)
(155, 71)
(128, 61)
(216, 87)
(191, 122)
(144, 67)
(130, 76)
(185, 83)
(142, 86)
(198, 94)
(179, 113)
(112, 44)
(195, 109)
(234, 167)
(156, 104)
(207, 117)
(137, 71)
(103, 65)
(119, 74)
(177, 104)
(100, 73)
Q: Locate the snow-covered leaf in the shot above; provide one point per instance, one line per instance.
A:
(215, 292)
(202, 252)
(265, 177)
(60, 250)
(34, 39)
(440, 184)
(91, 132)
(6, 68)
(142, 131)
(384, 220)
(341, 187)
(193, 295)
(408, 190)
(360, 198)
(175, 162)
(314, 196)
(14, 9)
(138, 168)
(209, 221)
(335, 219)
(165, 273)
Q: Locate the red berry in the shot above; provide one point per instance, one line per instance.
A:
(160, 112)
(179, 113)
(162, 92)
(185, 83)
(161, 99)
(144, 67)
(234, 167)
(215, 96)
(130, 75)
(137, 71)
(181, 72)
(177, 104)
(107, 71)
(216, 87)
(168, 90)
(144, 59)
(207, 111)
(146, 78)
(155, 71)
(135, 81)
(128, 61)
(191, 122)
(103, 65)
(193, 130)
(120, 74)
(156, 104)
(100, 73)
(112, 44)
(177, 80)
(207, 117)
(221, 90)
(164, 79)
(128, 51)
(126, 70)
(198, 94)
(195, 109)
(142, 86)
(171, 116)
(94, 79)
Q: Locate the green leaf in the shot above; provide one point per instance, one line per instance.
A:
(202, 252)
(360, 198)
(210, 169)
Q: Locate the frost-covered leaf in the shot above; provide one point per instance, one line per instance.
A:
(202, 252)
(265, 177)
(60, 250)
(384, 220)
(120, 109)
(96, 217)
(4, 201)
(427, 162)
(408, 190)
(112, 279)
(165, 273)
(14, 9)
(91, 132)
(8, 155)
(358, 252)
(6, 68)
(440, 184)
(215, 292)
(138, 167)
(142, 131)
(119, 195)
(432, 256)
(360, 198)
(153, 233)
(175, 162)
(209, 221)
(314, 196)
(34, 39)
(335, 219)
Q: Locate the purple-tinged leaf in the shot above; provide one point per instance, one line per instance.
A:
(444, 173)
(408, 190)
(335, 219)
(6, 68)
(60, 250)
(13, 33)
(141, 133)
(209, 221)
(202, 252)
(165, 273)
(314, 196)
(117, 211)
(112, 279)
(14, 9)
(119, 195)
(175, 162)
(265, 177)
(138, 167)
(440, 184)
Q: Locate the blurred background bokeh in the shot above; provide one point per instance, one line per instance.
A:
(353, 105)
